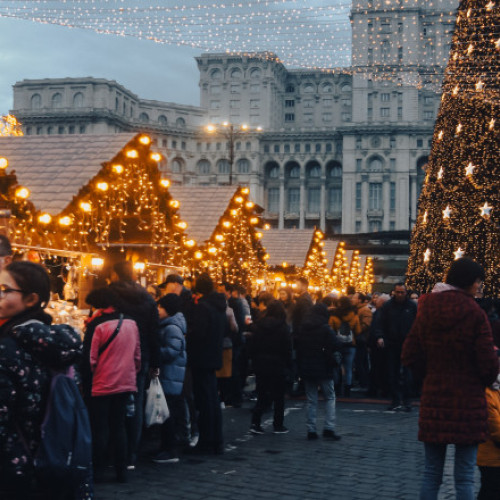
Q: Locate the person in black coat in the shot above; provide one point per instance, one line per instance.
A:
(270, 349)
(207, 326)
(316, 344)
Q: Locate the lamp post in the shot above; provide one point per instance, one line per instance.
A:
(231, 132)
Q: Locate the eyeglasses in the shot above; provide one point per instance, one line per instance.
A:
(4, 290)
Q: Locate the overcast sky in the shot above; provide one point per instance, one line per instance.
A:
(150, 70)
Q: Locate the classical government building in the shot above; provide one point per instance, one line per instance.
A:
(341, 149)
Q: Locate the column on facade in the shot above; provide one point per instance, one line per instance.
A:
(322, 205)
(413, 199)
(386, 200)
(302, 213)
(364, 203)
(281, 219)
(403, 203)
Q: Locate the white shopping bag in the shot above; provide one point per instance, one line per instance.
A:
(156, 411)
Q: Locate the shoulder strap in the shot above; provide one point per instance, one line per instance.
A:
(112, 337)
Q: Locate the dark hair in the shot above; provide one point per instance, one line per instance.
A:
(101, 298)
(204, 284)
(174, 278)
(171, 303)
(351, 290)
(275, 309)
(31, 278)
(303, 280)
(464, 272)
(399, 284)
(344, 306)
(265, 298)
(362, 297)
(5, 247)
(227, 286)
(329, 301)
(124, 270)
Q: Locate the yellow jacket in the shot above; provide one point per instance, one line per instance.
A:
(352, 318)
(488, 453)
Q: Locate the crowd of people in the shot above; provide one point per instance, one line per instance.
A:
(203, 340)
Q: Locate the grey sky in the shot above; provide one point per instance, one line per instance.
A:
(151, 70)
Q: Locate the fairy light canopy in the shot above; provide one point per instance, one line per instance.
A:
(306, 33)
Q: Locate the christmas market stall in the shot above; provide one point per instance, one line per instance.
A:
(224, 229)
(102, 197)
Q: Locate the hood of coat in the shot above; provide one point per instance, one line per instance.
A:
(316, 318)
(445, 310)
(178, 320)
(55, 346)
(132, 299)
(217, 300)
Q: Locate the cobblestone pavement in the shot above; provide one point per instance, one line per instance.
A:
(378, 457)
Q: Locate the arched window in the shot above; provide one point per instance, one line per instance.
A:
(78, 100)
(327, 88)
(346, 88)
(243, 166)
(203, 167)
(57, 100)
(180, 122)
(314, 172)
(177, 165)
(255, 73)
(223, 166)
(162, 120)
(375, 165)
(144, 118)
(335, 171)
(236, 74)
(308, 88)
(273, 171)
(216, 74)
(36, 101)
(294, 171)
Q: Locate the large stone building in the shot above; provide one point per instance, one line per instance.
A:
(340, 149)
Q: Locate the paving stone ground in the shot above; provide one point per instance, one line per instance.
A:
(378, 457)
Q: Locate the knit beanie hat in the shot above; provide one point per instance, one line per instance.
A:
(171, 303)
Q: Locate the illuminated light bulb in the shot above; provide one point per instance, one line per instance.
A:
(424, 219)
(45, 218)
(497, 44)
(212, 250)
(190, 243)
(118, 169)
(210, 128)
(491, 125)
(4, 163)
(469, 12)
(455, 90)
(284, 264)
(258, 235)
(174, 203)
(447, 212)
(440, 173)
(244, 126)
(479, 86)
(65, 221)
(267, 227)
(455, 56)
(145, 139)
(470, 49)
(266, 256)
(85, 206)
(97, 262)
(182, 224)
(490, 5)
(254, 220)
(427, 255)
(238, 199)
(469, 170)
(249, 204)
(164, 183)
(440, 135)
(245, 190)
(198, 255)
(140, 266)
(259, 129)
(486, 210)
(132, 153)
(459, 128)
(233, 212)
(102, 186)
(225, 124)
(22, 192)
(458, 253)
(156, 156)
(219, 237)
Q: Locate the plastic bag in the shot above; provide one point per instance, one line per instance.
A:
(156, 411)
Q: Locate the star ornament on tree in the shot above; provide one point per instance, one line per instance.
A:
(486, 210)
(479, 86)
(427, 255)
(469, 170)
(458, 253)
(440, 173)
(447, 212)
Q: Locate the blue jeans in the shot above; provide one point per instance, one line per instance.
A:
(465, 462)
(347, 362)
(312, 403)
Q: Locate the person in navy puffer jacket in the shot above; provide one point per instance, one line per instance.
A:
(172, 371)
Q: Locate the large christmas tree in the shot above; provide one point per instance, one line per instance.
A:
(459, 207)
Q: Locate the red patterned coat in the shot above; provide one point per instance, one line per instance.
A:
(451, 346)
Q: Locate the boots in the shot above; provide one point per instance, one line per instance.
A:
(347, 391)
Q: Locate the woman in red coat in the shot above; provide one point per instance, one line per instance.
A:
(450, 345)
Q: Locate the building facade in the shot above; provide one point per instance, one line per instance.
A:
(340, 149)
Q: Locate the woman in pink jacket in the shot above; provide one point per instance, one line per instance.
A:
(115, 359)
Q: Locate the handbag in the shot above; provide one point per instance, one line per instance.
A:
(156, 411)
(344, 333)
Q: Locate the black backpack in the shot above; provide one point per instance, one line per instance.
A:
(65, 451)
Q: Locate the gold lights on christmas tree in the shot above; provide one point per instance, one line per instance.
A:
(340, 269)
(459, 207)
(9, 126)
(316, 264)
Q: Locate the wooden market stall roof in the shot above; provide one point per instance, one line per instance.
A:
(201, 207)
(287, 245)
(55, 167)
